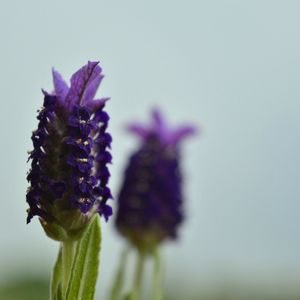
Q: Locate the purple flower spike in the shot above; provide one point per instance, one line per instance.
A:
(150, 199)
(69, 175)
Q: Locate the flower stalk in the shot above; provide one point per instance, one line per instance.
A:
(157, 276)
(118, 283)
(138, 276)
(68, 254)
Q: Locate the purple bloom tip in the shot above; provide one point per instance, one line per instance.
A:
(83, 86)
(160, 129)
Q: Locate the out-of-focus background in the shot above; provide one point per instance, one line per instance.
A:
(231, 67)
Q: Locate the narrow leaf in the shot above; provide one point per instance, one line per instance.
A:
(59, 294)
(85, 265)
(56, 277)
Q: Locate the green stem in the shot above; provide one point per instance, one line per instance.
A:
(68, 252)
(157, 290)
(119, 278)
(137, 284)
(55, 284)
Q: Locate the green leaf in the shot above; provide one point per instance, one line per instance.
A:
(127, 296)
(85, 264)
(56, 277)
(59, 294)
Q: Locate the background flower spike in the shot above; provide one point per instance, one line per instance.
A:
(150, 201)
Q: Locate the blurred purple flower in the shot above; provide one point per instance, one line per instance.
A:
(150, 199)
(69, 173)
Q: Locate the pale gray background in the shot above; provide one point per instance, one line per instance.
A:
(231, 67)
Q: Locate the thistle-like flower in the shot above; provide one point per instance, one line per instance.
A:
(150, 199)
(69, 174)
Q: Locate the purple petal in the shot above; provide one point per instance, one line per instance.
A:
(80, 82)
(139, 130)
(101, 116)
(182, 133)
(58, 188)
(158, 119)
(60, 86)
(160, 125)
(91, 89)
(104, 140)
(105, 210)
(94, 105)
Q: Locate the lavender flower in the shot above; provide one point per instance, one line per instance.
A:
(69, 174)
(150, 199)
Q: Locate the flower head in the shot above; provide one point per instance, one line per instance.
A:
(150, 199)
(69, 174)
